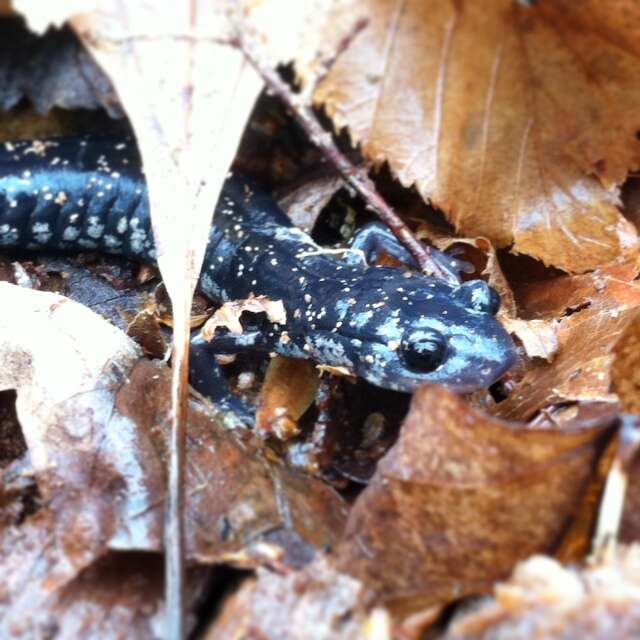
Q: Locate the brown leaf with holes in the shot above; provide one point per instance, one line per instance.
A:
(460, 498)
(517, 119)
(597, 310)
(229, 314)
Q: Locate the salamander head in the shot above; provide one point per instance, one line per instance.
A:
(407, 329)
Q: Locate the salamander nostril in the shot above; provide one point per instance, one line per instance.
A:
(479, 296)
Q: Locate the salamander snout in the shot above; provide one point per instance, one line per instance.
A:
(414, 329)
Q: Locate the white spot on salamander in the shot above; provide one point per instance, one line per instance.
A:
(41, 232)
(87, 243)
(361, 319)
(8, 235)
(122, 225)
(389, 328)
(95, 227)
(137, 239)
(331, 351)
(211, 287)
(112, 242)
(70, 234)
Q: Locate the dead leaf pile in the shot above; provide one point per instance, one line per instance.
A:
(96, 449)
(502, 133)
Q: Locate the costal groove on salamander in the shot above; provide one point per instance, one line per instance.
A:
(394, 328)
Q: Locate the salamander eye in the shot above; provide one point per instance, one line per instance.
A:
(479, 296)
(424, 350)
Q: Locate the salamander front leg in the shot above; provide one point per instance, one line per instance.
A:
(206, 376)
(375, 238)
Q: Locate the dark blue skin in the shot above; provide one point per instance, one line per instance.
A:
(394, 328)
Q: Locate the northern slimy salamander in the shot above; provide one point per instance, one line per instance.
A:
(393, 327)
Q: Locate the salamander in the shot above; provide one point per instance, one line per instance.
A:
(394, 327)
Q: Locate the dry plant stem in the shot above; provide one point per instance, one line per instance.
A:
(355, 176)
(174, 519)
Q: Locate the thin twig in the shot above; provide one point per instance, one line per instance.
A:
(356, 177)
(174, 509)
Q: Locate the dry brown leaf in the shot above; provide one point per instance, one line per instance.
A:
(630, 525)
(145, 329)
(578, 540)
(549, 299)
(97, 441)
(601, 307)
(289, 389)
(539, 337)
(304, 204)
(543, 599)
(625, 373)
(517, 119)
(229, 314)
(459, 499)
(240, 507)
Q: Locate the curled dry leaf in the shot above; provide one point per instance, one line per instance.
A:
(97, 441)
(459, 499)
(145, 329)
(543, 599)
(228, 315)
(289, 389)
(600, 307)
(490, 264)
(517, 119)
(304, 204)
